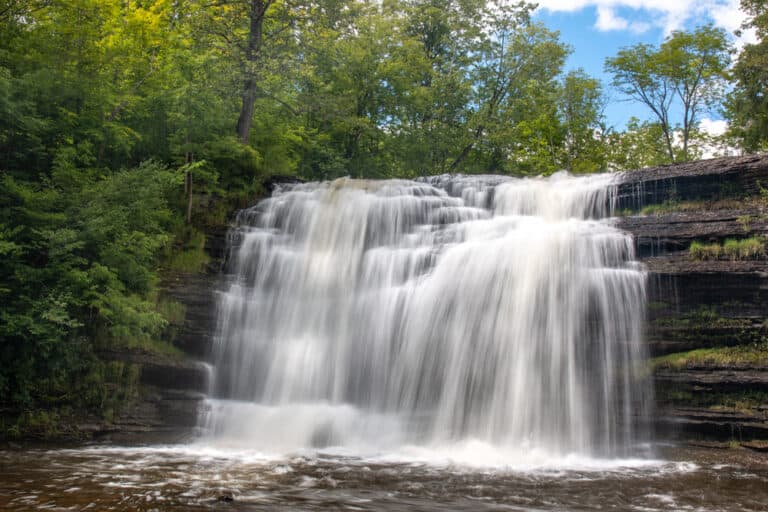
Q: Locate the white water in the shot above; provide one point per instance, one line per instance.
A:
(490, 316)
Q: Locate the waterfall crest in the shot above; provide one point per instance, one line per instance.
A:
(388, 313)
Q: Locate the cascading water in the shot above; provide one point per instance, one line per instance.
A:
(372, 315)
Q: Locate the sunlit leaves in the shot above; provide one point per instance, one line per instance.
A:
(688, 70)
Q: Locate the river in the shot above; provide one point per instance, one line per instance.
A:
(202, 477)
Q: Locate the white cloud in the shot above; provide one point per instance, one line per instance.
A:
(608, 20)
(713, 148)
(667, 15)
(714, 127)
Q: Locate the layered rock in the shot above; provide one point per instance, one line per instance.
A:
(708, 304)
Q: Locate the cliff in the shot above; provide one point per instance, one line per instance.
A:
(170, 390)
(707, 301)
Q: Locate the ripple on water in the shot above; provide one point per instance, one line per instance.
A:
(187, 478)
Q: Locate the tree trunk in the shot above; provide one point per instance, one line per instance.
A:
(188, 187)
(668, 140)
(256, 11)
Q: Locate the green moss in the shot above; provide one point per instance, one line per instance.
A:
(705, 317)
(746, 402)
(672, 207)
(725, 202)
(753, 355)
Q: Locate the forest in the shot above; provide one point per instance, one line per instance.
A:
(129, 126)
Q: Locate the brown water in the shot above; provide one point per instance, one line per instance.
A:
(199, 478)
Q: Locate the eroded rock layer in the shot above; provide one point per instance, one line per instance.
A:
(707, 306)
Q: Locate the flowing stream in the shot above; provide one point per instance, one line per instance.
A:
(470, 316)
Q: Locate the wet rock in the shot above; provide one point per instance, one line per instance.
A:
(670, 232)
(695, 423)
(703, 179)
(756, 446)
(197, 292)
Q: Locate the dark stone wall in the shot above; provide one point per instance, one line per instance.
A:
(703, 304)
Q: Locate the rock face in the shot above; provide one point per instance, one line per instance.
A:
(718, 177)
(171, 389)
(708, 304)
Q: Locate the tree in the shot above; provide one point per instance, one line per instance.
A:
(747, 105)
(641, 145)
(688, 71)
(511, 117)
(581, 112)
(259, 38)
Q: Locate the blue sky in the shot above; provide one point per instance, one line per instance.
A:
(596, 29)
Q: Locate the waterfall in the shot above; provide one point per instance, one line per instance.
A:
(376, 314)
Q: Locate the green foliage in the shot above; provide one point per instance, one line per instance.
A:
(688, 70)
(747, 104)
(78, 274)
(188, 254)
(641, 145)
(582, 116)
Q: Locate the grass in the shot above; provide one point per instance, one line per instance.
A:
(744, 249)
(672, 207)
(753, 355)
(745, 221)
(704, 252)
(190, 256)
(677, 206)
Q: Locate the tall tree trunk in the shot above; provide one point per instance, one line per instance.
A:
(668, 141)
(188, 188)
(256, 11)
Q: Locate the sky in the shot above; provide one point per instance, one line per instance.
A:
(596, 29)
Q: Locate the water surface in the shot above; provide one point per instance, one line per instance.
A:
(196, 477)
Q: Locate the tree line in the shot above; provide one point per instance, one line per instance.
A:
(126, 126)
